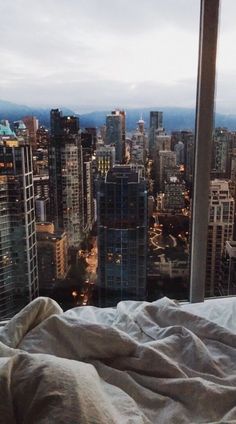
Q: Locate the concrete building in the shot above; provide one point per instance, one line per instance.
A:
(52, 255)
(105, 159)
(222, 148)
(122, 234)
(66, 177)
(174, 195)
(89, 213)
(32, 124)
(166, 167)
(220, 230)
(18, 250)
(155, 126)
(179, 150)
(41, 185)
(42, 206)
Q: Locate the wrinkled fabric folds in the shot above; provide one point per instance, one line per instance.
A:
(138, 363)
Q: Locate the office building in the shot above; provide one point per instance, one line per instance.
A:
(41, 185)
(155, 127)
(179, 150)
(105, 159)
(89, 141)
(174, 195)
(122, 233)
(42, 208)
(18, 251)
(66, 177)
(115, 133)
(222, 147)
(138, 145)
(42, 137)
(32, 124)
(89, 213)
(220, 230)
(166, 167)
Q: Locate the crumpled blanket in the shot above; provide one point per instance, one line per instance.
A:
(138, 363)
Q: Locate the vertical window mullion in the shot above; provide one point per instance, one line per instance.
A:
(203, 140)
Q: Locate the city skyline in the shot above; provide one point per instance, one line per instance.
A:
(69, 56)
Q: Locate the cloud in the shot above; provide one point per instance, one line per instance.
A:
(95, 51)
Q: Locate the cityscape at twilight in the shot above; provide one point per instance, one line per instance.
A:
(92, 216)
(96, 172)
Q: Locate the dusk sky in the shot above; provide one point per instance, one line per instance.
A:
(96, 54)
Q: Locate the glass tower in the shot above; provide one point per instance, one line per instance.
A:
(18, 250)
(122, 234)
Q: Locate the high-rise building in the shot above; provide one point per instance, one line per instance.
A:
(89, 212)
(32, 124)
(155, 126)
(52, 255)
(138, 145)
(223, 143)
(179, 150)
(89, 141)
(42, 208)
(187, 138)
(174, 195)
(122, 233)
(66, 177)
(105, 159)
(115, 133)
(18, 251)
(42, 137)
(41, 185)
(220, 229)
(166, 167)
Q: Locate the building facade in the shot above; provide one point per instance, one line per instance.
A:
(18, 250)
(122, 233)
(220, 229)
(155, 125)
(52, 255)
(66, 177)
(105, 159)
(115, 133)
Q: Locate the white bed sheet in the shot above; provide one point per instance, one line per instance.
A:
(139, 363)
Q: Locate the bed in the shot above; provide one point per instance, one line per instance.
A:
(159, 362)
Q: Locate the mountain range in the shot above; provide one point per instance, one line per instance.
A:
(174, 118)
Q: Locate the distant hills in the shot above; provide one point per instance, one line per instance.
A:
(174, 118)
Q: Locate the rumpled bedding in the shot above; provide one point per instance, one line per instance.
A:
(137, 363)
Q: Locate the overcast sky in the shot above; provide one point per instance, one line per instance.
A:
(92, 54)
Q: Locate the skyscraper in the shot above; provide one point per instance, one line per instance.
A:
(89, 212)
(166, 167)
(138, 145)
(223, 143)
(122, 233)
(66, 176)
(174, 195)
(18, 252)
(115, 133)
(156, 123)
(220, 229)
(32, 125)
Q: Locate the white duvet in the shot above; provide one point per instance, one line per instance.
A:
(137, 363)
